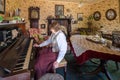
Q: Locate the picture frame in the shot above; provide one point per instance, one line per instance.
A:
(111, 14)
(59, 10)
(97, 15)
(80, 16)
(2, 6)
(43, 26)
(116, 39)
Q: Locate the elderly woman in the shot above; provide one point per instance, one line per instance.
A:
(50, 57)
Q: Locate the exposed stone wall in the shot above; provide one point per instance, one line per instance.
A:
(103, 7)
(46, 8)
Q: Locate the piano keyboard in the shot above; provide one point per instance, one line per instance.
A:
(27, 59)
(25, 56)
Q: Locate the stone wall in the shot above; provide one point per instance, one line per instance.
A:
(102, 7)
(46, 8)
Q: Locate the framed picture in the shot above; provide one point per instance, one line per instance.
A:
(80, 16)
(2, 6)
(116, 39)
(59, 10)
(97, 15)
(43, 26)
(111, 14)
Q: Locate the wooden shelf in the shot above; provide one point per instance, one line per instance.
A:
(8, 25)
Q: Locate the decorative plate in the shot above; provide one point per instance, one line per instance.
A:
(97, 15)
(111, 14)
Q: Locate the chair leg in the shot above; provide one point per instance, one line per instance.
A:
(117, 66)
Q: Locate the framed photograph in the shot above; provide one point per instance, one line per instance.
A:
(2, 6)
(80, 16)
(43, 26)
(97, 15)
(59, 10)
(111, 14)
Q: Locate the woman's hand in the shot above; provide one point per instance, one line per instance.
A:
(55, 64)
(36, 45)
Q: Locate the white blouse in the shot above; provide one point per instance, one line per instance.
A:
(62, 45)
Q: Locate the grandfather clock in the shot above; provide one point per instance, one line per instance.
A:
(34, 16)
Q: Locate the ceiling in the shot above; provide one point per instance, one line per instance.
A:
(81, 1)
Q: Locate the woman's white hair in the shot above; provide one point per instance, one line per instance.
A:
(63, 29)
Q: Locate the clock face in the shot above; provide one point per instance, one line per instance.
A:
(111, 14)
(34, 14)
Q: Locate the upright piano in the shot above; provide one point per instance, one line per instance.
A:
(16, 55)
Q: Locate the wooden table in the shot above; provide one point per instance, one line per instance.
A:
(84, 50)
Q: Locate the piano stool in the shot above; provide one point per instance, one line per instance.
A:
(63, 64)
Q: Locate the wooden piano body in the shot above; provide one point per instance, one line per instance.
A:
(17, 59)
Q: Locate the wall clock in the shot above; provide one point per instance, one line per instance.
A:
(34, 13)
(111, 14)
(97, 15)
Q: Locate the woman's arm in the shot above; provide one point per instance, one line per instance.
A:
(45, 43)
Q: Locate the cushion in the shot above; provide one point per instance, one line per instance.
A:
(51, 76)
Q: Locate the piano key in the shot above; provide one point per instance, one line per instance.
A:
(18, 68)
(22, 57)
(21, 60)
(27, 59)
(20, 65)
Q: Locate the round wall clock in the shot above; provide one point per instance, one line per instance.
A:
(97, 15)
(111, 14)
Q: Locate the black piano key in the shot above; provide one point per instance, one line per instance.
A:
(24, 52)
(16, 69)
(21, 57)
(20, 61)
(20, 65)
